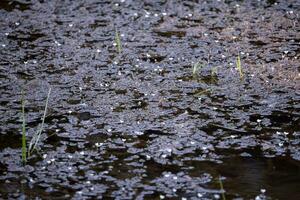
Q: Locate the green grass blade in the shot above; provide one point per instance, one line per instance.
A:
(118, 42)
(239, 66)
(196, 68)
(36, 137)
(222, 189)
(24, 149)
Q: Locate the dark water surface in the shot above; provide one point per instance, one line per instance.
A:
(138, 124)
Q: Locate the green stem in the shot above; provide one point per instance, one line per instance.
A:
(239, 66)
(118, 42)
(222, 189)
(24, 149)
(36, 137)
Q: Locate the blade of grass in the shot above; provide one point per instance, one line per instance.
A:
(36, 137)
(222, 189)
(196, 68)
(239, 66)
(204, 91)
(213, 74)
(24, 150)
(118, 42)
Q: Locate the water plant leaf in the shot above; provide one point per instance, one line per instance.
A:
(196, 68)
(222, 189)
(36, 137)
(118, 42)
(239, 66)
(24, 149)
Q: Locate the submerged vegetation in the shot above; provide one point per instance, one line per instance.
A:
(26, 152)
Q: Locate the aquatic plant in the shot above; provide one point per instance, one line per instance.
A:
(214, 71)
(36, 137)
(213, 74)
(204, 91)
(24, 149)
(118, 42)
(222, 189)
(196, 68)
(239, 66)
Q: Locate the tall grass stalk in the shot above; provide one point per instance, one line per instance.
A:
(196, 68)
(118, 42)
(239, 66)
(204, 91)
(36, 137)
(24, 149)
(214, 71)
(222, 189)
